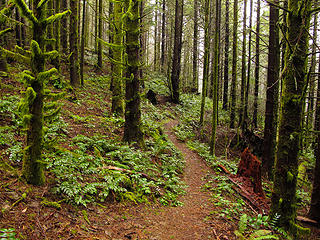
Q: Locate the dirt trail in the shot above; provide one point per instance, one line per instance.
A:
(188, 221)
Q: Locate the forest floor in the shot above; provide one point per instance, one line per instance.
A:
(209, 209)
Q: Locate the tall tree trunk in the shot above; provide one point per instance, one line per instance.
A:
(132, 127)
(117, 101)
(243, 66)
(310, 109)
(195, 46)
(18, 28)
(314, 212)
(226, 60)
(57, 30)
(257, 69)
(246, 100)
(82, 41)
(155, 58)
(99, 63)
(176, 62)
(74, 47)
(215, 80)
(206, 58)
(50, 12)
(283, 200)
(64, 29)
(163, 35)
(270, 125)
(234, 64)
(96, 26)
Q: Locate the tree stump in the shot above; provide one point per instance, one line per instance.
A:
(250, 168)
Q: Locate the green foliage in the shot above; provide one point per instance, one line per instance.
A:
(99, 169)
(8, 234)
(158, 83)
(242, 233)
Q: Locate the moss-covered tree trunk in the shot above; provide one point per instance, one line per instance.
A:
(226, 59)
(74, 47)
(132, 127)
(257, 69)
(32, 105)
(117, 95)
(176, 62)
(206, 57)
(284, 201)
(234, 65)
(271, 112)
(33, 169)
(314, 212)
(3, 60)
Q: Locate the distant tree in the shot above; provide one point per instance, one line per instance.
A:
(99, 63)
(206, 57)
(176, 62)
(310, 106)
(64, 29)
(283, 200)
(132, 127)
(271, 113)
(163, 35)
(82, 42)
(226, 59)
(57, 36)
(195, 45)
(257, 69)
(246, 100)
(314, 212)
(117, 78)
(215, 79)
(74, 47)
(243, 67)
(234, 64)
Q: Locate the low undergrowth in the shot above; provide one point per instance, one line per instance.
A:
(85, 159)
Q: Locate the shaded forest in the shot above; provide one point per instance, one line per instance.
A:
(159, 119)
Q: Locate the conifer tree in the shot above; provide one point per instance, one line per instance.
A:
(215, 80)
(132, 128)
(195, 46)
(314, 212)
(32, 105)
(117, 88)
(234, 64)
(257, 69)
(243, 66)
(226, 59)
(206, 58)
(74, 47)
(176, 61)
(283, 200)
(99, 63)
(271, 113)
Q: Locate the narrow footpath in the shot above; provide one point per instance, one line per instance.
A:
(190, 221)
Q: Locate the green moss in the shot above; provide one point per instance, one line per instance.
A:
(290, 177)
(47, 203)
